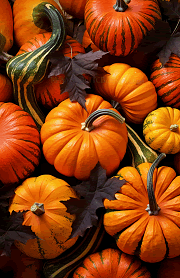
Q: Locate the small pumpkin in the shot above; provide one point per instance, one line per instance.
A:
(119, 26)
(74, 7)
(41, 196)
(74, 139)
(161, 130)
(28, 22)
(20, 144)
(111, 263)
(6, 26)
(86, 41)
(166, 80)
(145, 214)
(129, 87)
(6, 88)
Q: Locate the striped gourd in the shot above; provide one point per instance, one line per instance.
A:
(166, 80)
(27, 69)
(139, 150)
(118, 27)
(63, 266)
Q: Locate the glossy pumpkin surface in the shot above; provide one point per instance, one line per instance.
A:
(6, 26)
(52, 224)
(128, 221)
(120, 32)
(20, 144)
(74, 7)
(161, 130)
(166, 80)
(111, 263)
(74, 151)
(130, 87)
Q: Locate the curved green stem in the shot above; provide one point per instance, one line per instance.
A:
(153, 207)
(88, 124)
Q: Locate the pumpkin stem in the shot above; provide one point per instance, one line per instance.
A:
(87, 125)
(153, 207)
(174, 127)
(38, 208)
(121, 5)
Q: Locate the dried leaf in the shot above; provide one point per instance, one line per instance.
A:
(170, 9)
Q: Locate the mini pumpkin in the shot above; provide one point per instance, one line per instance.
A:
(41, 197)
(161, 130)
(111, 263)
(119, 26)
(75, 139)
(129, 87)
(144, 219)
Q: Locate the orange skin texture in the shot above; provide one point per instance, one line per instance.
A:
(130, 87)
(120, 33)
(129, 214)
(6, 24)
(24, 27)
(20, 144)
(74, 7)
(75, 152)
(6, 89)
(53, 228)
(111, 263)
(157, 132)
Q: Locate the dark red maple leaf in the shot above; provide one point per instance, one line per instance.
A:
(92, 193)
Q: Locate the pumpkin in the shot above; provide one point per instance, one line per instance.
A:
(20, 144)
(41, 196)
(74, 7)
(119, 26)
(161, 130)
(166, 80)
(28, 21)
(86, 41)
(145, 214)
(169, 268)
(74, 140)
(6, 89)
(48, 92)
(6, 26)
(111, 263)
(129, 87)
(29, 68)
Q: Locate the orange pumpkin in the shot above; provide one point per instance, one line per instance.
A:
(6, 26)
(74, 139)
(129, 87)
(144, 219)
(6, 89)
(169, 268)
(41, 197)
(74, 7)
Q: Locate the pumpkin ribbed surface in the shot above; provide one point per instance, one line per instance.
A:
(166, 80)
(111, 263)
(74, 151)
(6, 26)
(120, 32)
(20, 144)
(53, 227)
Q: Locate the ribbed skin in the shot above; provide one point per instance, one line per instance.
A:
(27, 69)
(166, 80)
(120, 33)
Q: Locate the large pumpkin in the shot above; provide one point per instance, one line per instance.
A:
(6, 26)
(166, 80)
(118, 27)
(41, 197)
(144, 219)
(28, 22)
(74, 7)
(161, 130)
(111, 263)
(129, 87)
(74, 139)
(20, 144)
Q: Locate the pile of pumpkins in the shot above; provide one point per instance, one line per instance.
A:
(37, 120)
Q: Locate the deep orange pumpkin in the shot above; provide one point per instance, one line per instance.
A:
(41, 197)
(120, 30)
(6, 26)
(74, 7)
(6, 89)
(20, 144)
(111, 263)
(75, 148)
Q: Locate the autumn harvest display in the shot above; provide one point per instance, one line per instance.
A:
(89, 138)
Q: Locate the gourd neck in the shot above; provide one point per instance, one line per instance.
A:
(152, 207)
(38, 208)
(121, 5)
(88, 124)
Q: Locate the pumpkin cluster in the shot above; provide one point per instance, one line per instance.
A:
(72, 101)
